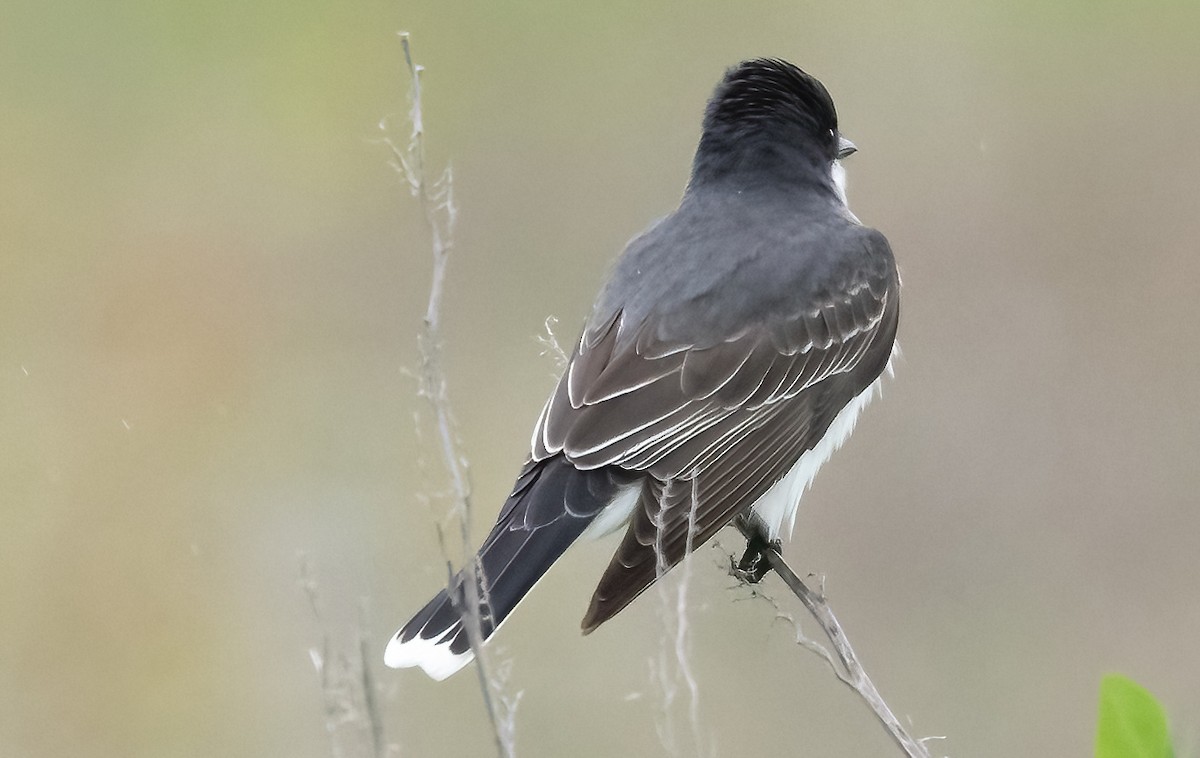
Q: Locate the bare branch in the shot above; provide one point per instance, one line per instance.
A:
(437, 202)
(673, 667)
(851, 671)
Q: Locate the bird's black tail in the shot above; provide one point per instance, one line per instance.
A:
(550, 506)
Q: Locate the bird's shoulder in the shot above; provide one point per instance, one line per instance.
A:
(704, 274)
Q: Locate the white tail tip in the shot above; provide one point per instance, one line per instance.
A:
(432, 655)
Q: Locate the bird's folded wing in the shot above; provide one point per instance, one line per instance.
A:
(711, 426)
(633, 399)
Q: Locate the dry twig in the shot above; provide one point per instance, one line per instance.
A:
(437, 202)
(851, 672)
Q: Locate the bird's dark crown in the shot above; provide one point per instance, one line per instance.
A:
(766, 106)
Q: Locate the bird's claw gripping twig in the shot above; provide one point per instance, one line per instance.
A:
(754, 565)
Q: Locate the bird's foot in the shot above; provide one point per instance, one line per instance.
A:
(754, 565)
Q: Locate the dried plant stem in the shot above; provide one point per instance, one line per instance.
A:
(673, 667)
(851, 672)
(352, 715)
(437, 202)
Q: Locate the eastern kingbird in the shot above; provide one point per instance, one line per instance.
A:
(726, 358)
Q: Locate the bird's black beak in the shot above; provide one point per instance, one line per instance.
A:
(846, 148)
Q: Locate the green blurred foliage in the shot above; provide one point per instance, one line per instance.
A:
(1132, 724)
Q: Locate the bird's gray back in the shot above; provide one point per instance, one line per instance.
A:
(725, 261)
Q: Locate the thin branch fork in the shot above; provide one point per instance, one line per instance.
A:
(851, 672)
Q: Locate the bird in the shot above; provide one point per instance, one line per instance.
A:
(727, 356)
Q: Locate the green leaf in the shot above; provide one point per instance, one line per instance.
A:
(1132, 723)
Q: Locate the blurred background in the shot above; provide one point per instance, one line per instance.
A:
(211, 285)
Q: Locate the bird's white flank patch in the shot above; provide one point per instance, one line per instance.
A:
(779, 504)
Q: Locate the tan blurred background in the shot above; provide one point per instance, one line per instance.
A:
(211, 285)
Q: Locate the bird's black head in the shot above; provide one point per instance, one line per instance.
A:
(767, 114)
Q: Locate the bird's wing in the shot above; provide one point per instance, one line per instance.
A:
(633, 399)
(714, 425)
